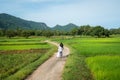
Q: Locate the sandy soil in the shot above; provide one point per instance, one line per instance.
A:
(52, 68)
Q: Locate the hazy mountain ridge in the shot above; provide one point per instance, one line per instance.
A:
(67, 27)
(11, 22)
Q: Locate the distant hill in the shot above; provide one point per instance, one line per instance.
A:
(11, 22)
(67, 27)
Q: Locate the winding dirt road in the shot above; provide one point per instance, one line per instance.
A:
(52, 68)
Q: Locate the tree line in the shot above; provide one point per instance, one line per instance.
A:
(85, 30)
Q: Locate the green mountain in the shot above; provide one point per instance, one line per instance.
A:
(11, 22)
(67, 27)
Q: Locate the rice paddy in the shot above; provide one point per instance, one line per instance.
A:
(104, 67)
(19, 57)
(92, 59)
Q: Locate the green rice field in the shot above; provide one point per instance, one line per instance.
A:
(22, 56)
(92, 58)
(22, 44)
(104, 67)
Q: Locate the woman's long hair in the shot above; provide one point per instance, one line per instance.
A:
(61, 45)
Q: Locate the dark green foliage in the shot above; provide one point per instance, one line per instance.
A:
(26, 34)
(115, 31)
(93, 31)
(106, 33)
(74, 31)
(97, 31)
(100, 32)
(10, 33)
(2, 32)
(57, 33)
(47, 33)
(38, 33)
(84, 30)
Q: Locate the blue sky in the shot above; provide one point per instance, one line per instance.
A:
(80, 12)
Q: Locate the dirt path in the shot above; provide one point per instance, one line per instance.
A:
(52, 68)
